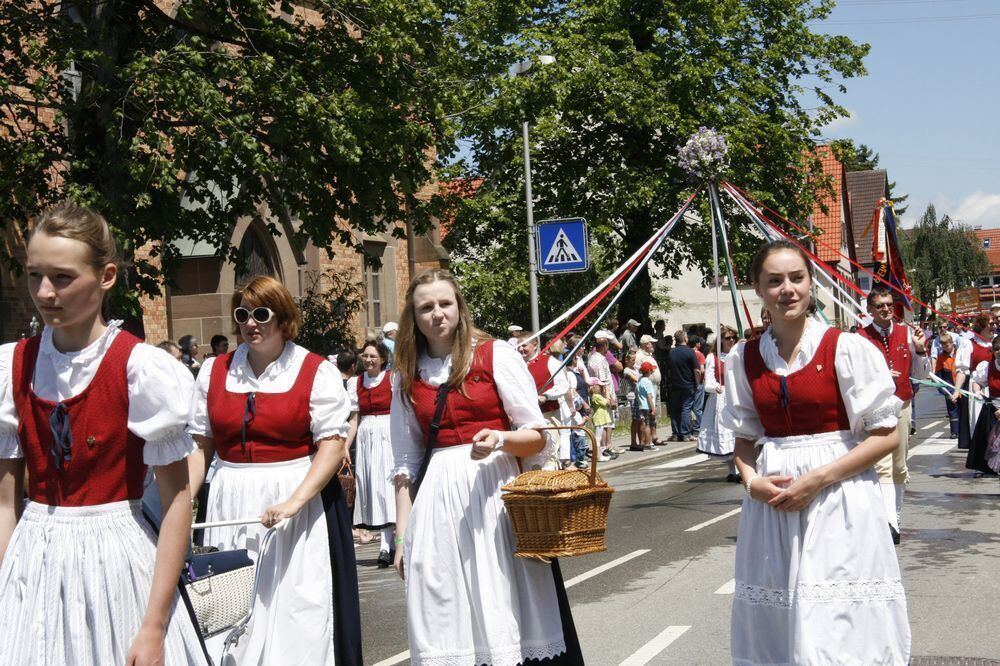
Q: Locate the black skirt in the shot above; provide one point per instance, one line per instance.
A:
(976, 460)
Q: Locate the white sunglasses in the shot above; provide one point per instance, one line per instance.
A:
(260, 315)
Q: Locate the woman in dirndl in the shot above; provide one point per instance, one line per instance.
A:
(371, 397)
(275, 415)
(468, 599)
(812, 409)
(85, 407)
(715, 439)
(986, 375)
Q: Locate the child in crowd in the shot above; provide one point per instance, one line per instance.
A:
(646, 406)
(600, 414)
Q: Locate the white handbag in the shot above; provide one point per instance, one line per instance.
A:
(222, 586)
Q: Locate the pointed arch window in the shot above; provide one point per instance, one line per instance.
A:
(254, 258)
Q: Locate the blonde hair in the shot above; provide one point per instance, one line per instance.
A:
(265, 291)
(411, 343)
(79, 223)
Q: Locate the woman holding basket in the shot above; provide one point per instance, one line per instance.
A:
(276, 416)
(464, 411)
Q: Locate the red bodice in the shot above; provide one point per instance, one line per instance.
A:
(464, 415)
(539, 369)
(993, 380)
(805, 402)
(105, 462)
(376, 400)
(979, 354)
(896, 349)
(278, 426)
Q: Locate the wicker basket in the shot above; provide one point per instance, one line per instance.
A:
(559, 513)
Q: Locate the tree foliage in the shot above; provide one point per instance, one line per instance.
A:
(942, 255)
(330, 300)
(632, 80)
(322, 117)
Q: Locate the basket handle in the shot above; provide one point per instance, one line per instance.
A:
(593, 447)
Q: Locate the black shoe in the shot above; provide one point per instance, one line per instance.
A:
(733, 478)
(383, 560)
(913, 430)
(636, 448)
(895, 534)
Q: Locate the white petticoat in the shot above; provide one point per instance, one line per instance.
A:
(293, 614)
(375, 498)
(715, 439)
(819, 586)
(74, 585)
(469, 600)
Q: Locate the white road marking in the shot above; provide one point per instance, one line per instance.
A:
(931, 449)
(395, 659)
(727, 588)
(714, 520)
(605, 567)
(647, 652)
(932, 424)
(683, 462)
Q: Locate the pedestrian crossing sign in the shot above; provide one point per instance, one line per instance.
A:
(563, 246)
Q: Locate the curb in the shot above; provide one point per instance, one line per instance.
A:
(638, 458)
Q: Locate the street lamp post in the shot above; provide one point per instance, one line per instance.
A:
(520, 69)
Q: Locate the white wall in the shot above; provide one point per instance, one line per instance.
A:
(695, 304)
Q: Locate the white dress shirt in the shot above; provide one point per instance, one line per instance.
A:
(159, 392)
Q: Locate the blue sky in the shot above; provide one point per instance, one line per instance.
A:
(930, 104)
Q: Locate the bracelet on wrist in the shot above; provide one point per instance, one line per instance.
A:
(399, 540)
(749, 481)
(500, 440)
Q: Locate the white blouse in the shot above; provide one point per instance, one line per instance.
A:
(159, 393)
(369, 382)
(329, 408)
(517, 392)
(710, 383)
(862, 373)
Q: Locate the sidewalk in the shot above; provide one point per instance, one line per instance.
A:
(630, 458)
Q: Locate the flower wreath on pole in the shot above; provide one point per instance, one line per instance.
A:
(705, 156)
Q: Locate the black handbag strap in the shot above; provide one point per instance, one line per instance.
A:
(442, 400)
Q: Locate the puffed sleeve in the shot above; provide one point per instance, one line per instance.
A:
(160, 391)
(352, 393)
(198, 423)
(520, 401)
(866, 385)
(739, 413)
(919, 365)
(405, 435)
(980, 375)
(10, 445)
(963, 357)
(710, 383)
(329, 407)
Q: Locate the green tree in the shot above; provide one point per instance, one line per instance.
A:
(330, 301)
(325, 114)
(860, 157)
(632, 80)
(942, 255)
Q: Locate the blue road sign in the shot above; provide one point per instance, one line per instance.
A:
(563, 246)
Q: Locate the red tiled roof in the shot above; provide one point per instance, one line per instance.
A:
(830, 221)
(992, 236)
(864, 190)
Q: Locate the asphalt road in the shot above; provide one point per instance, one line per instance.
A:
(662, 592)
